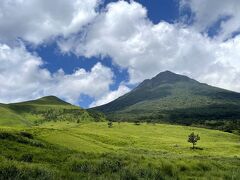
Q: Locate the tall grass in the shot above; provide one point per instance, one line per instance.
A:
(32, 155)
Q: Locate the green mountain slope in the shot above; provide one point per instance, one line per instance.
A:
(10, 118)
(174, 98)
(47, 100)
(48, 108)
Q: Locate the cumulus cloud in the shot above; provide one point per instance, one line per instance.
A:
(122, 89)
(40, 20)
(121, 31)
(208, 13)
(22, 78)
(21, 74)
(124, 33)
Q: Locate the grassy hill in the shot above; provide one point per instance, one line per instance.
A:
(174, 98)
(64, 150)
(10, 118)
(48, 108)
(48, 138)
(51, 139)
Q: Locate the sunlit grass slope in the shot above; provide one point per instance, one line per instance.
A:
(66, 150)
(48, 108)
(148, 138)
(10, 118)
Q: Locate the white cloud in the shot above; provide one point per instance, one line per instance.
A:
(207, 13)
(124, 33)
(94, 83)
(122, 89)
(22, 78)
(21, 74)
(39, 20)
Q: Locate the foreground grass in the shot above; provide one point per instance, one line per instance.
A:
(125, 151)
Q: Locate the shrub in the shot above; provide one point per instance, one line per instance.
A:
(137, 122)
(14, 171)
(26, 134)
(203, 166)
(34, 173)
(8, 171)
(81, 166)
(128, 175)
(110, 124)
(27, 158)
(6, 135)
(183, 167)
(168, 169)
(108, 165)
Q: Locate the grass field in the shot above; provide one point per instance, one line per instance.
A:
(65, 150)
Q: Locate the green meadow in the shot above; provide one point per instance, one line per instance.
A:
(92, 150)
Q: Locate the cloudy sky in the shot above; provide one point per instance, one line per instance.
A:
(89, 52)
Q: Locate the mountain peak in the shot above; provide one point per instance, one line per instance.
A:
(51, 100)
(165, 77)
(46, 100)
(167, 72)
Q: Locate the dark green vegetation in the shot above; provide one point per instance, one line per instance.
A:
(177, 99)
(48, 108)
(63, 150)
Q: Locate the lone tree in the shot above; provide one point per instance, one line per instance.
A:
(110, 124)
(192, 138)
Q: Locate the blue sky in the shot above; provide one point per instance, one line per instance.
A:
(161, 10)
(91, 52)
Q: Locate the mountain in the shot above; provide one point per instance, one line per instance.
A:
(174, 98)
(47, 100)
(49, 108)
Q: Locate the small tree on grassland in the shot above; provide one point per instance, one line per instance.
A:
(110, 124)
(192, 138)
(137, 122)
